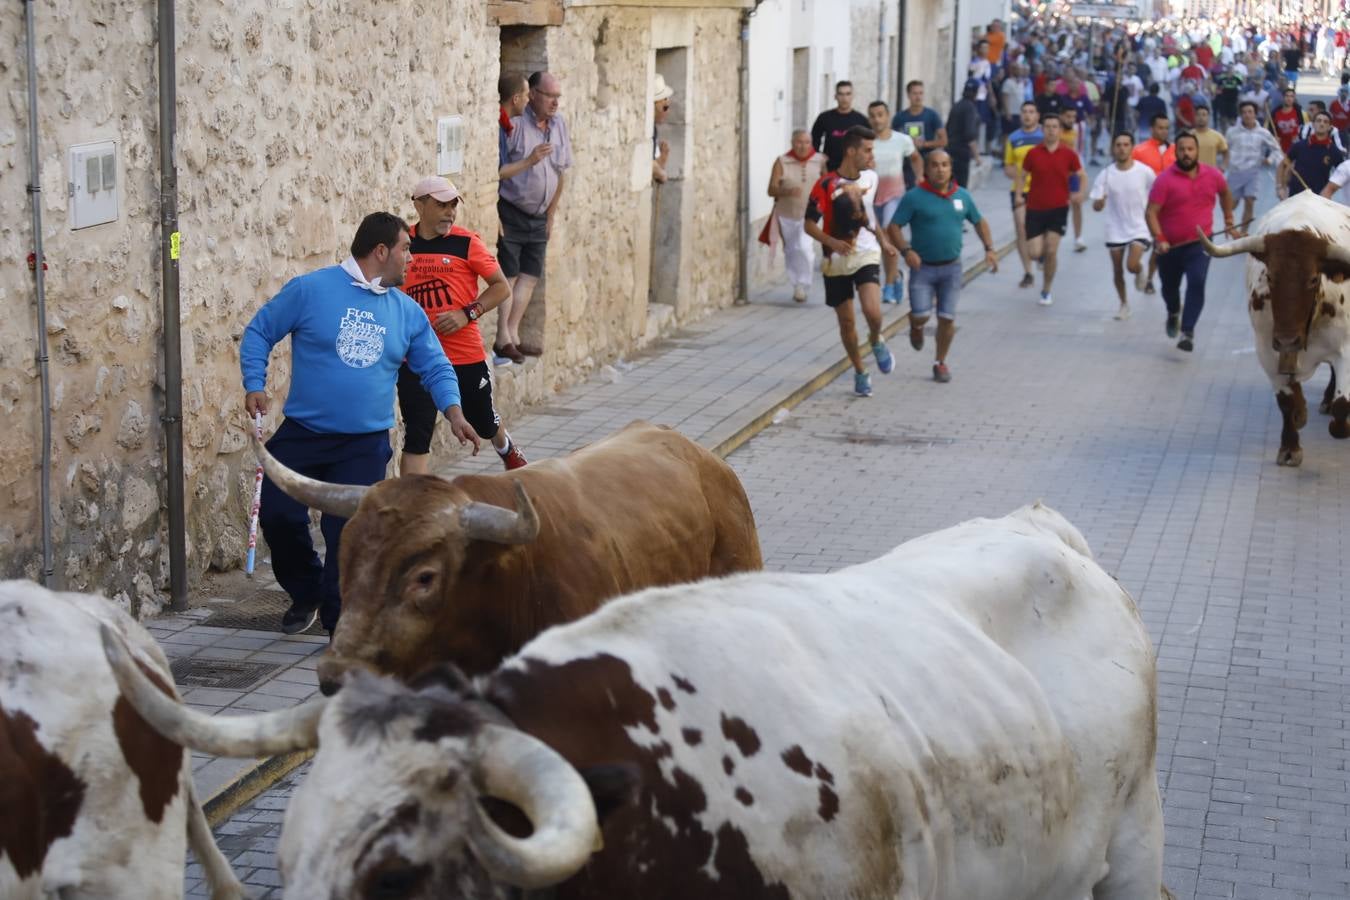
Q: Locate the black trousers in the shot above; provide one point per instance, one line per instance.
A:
(960, 166)
(337, 458)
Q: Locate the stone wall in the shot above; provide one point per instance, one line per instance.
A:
(296, 118)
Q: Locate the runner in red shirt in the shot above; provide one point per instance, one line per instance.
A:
(447, 262)
(1288, 119)
(1051, 165)
(1340, 108)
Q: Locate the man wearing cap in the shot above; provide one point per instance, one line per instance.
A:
(447, 262)
(350, 329)
(527, 202)
(661, 94)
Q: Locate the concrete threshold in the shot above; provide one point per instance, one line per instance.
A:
(253, 780)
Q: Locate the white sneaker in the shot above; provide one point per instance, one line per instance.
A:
(1141, 278)
(1123, 313)
(1079, 245)
(1046, 299)
(799, 294)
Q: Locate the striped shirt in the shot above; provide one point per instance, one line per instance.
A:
(1247, 147)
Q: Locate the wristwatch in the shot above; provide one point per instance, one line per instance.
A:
(473, 311)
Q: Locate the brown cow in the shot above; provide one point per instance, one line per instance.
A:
(470, 569)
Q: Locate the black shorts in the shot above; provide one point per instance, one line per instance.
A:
(839, 288)
(1121, 246)
(524, 239)
(1039, 221)
(420, 412)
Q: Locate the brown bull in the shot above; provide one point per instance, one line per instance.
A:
(468, 570)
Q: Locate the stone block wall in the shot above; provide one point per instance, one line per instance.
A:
(296, 118)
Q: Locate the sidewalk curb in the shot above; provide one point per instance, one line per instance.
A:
(730, 444)
(248, 784)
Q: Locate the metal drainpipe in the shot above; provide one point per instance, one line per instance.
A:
(901, 101)
(172, 417)
(44, 380)
(743, 177)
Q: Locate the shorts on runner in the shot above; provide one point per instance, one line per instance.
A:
(839, 288)
(1039, 221)
(886, 211)
(941, 283)
(1244, 183)
(1120, 245)
(420, 412)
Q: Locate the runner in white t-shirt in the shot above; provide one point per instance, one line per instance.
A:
(1340, 178)
(890, 152)
(1122, 190)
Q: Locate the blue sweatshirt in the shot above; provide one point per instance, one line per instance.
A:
(347, 344)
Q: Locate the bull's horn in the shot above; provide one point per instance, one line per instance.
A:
(1253, 243)
(524, 771)
(485, 522)
(338, 500)
(264, 734)
(1338, 253)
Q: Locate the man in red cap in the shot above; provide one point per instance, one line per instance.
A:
(447, 263)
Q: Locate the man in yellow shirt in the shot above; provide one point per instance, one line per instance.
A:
(1015, 149)
(1212, 143)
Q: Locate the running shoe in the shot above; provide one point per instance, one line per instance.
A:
(885, 362)
(1187, 342)
(887, 295)
(941, 373)
(1027, 280)
(1173, 324)
(862, 384)
(1079, 245)
(1141, 280)
(1046, 299)
(799, 294)
(1123, 313)
(1148, 287)
(514, 459)
(298, 618)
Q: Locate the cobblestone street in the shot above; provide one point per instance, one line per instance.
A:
(1166, 462)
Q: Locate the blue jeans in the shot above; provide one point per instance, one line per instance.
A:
(928, 282)
(1189, 261)
(337, 458)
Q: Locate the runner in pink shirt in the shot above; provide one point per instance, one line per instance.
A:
(1181, 200)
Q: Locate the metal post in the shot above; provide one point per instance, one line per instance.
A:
(39, 278)
(172, 416)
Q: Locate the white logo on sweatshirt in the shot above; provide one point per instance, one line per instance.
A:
(360, 342)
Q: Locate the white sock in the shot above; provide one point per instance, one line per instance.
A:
(505, 451)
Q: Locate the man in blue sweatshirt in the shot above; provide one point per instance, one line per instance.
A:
(350, 329)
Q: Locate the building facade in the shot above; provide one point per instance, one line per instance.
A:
(295, 119)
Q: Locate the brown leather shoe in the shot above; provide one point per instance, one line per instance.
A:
(511, 352)
(530, 349)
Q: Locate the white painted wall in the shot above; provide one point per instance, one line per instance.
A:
(972, 16)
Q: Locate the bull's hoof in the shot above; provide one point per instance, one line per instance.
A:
(1287, 457)
(1339, 428)
(1324, 407)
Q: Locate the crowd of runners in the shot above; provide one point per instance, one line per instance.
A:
(1181, 114)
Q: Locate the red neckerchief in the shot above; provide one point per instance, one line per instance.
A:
(810, 153)
(1316, 142)
(951, 189)
(505, 122)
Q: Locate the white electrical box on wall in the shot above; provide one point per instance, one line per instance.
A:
(93, 184)
(449, 145)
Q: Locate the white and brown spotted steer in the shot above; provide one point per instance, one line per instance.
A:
(970, 716)
(1298, 259)
(94, 803)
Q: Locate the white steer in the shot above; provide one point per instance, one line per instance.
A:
(970, 716)
(1299, 259)
(94, 803)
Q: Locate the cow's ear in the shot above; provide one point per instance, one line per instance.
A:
(613, 786)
